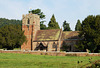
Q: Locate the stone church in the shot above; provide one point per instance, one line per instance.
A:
(46, 40)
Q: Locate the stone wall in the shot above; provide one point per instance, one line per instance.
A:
(51, 53)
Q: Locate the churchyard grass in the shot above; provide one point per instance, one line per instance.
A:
(10, 60)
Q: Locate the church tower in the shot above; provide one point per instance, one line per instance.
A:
(30, 25)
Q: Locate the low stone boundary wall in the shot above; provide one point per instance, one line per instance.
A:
(82, 54)
(51, 53)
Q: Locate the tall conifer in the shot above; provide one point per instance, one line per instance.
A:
(53, 24)
(78, 26)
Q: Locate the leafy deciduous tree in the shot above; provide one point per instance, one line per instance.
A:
(4, 21)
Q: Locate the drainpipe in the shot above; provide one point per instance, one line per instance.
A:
(31, 37)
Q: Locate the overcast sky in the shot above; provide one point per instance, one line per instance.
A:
(69, 10)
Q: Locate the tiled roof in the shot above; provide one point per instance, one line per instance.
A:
(70, 35)
(46, 35)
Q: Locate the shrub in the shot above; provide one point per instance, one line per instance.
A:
(95, 65)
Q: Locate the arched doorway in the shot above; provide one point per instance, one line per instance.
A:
(41, 47)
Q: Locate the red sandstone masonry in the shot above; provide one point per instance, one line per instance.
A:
(27, 46)
(51, 53)
(77, 53)
(30, 25)
(93, 54)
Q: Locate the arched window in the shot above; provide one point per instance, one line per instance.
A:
(28, 22)
(54, 45)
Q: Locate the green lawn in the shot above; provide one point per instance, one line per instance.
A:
(8, 60)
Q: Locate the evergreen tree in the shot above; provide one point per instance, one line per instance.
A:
(42, 16)
(78, 26)
(90, 33)
(42, 26)
(11, 36)
(66, 26)
(53, 24)
(38, 12)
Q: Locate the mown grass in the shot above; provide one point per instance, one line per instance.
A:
(8, 60)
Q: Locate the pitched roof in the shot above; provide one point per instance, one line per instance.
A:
(47, 35)
(70, 35)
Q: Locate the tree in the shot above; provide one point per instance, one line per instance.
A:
(90, 33)
(4, 22)
(78, 26)
(53, 24)
(43, 27)
(42, 16)
(66, 26)
(11, 36)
